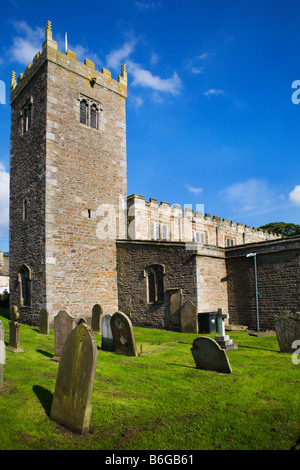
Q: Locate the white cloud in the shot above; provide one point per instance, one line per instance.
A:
(214, 92)
(27, 43)
(141, 76)
(144, 78)
(295, 195)
(249, 195)
(195, 65)
(115, 59)
(194, 190)
(145, 6)
(4, 201)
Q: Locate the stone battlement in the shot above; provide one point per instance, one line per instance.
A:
(149, 220)
(69, 61)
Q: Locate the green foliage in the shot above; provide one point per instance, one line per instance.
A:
(157, 400)
(282, 228)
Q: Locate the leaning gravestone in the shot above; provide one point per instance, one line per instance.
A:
(71, 405)
(44, 322)
(122, 331)
(189, 318)
(287, 327)
(63, 325)
(97, 314)
(107, 336)
(14, 331)
(209, 356)
(2, 353)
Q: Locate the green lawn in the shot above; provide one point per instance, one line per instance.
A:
(158, 400)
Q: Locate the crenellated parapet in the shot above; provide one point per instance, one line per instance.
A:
(150, 220)
(68, 60)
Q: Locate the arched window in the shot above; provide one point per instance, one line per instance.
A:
(94, 116)
(26, 117)
(83, 112)
(25, 286)
(155, 283)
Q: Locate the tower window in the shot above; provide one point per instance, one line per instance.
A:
(94, 116)
(26, 114)
(83, 112)
(155, 283)
(25, 209)
(25, 286)
(89, 112)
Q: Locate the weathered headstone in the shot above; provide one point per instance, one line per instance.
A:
(71, 405)
(97, 314)
(122, 331)
(107, 336)
(175, 306)
(2, 353)
(44, 322)
(209, 356)
(14, 331)
(63, 325)
(189, 318)
(287, 327)
(222, 339)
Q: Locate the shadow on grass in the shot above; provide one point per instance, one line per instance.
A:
(45, 397)
(257, 347)
(45, 353)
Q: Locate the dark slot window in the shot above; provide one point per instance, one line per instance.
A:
(83, 112)
(155, 284)
(94, 117)
(26, 117)
(25, 286)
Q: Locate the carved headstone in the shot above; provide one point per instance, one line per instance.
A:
(189, 318)
(97, 314)
(2, 353)
(209, 356)
(107, 336)
(14, 331)
(63, 325)
(122, 331)
(44, 322)
(175, 306)
(71, 405)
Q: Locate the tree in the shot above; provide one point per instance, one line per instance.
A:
(282, 228)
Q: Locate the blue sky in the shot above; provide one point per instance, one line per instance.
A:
(212, 117)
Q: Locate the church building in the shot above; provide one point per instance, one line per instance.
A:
(76, 238)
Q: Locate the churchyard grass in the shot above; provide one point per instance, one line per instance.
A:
(157, 400)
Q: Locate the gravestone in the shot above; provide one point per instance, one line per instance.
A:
(287, 327)
(44, 322)
(2, 353)
(97, 314)
(14, 331)
(175, 306)
(123, 336)
(222, 339)
(208, 355)
(189, 318)
(71, 405)
(107, 336)
(63, 325)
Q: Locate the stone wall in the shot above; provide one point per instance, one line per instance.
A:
(148, 220)
(278, 279)
(74, 178)
(133, 257)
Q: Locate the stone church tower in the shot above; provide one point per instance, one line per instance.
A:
(68, 184)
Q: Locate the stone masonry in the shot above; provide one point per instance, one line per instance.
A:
(68, 173)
